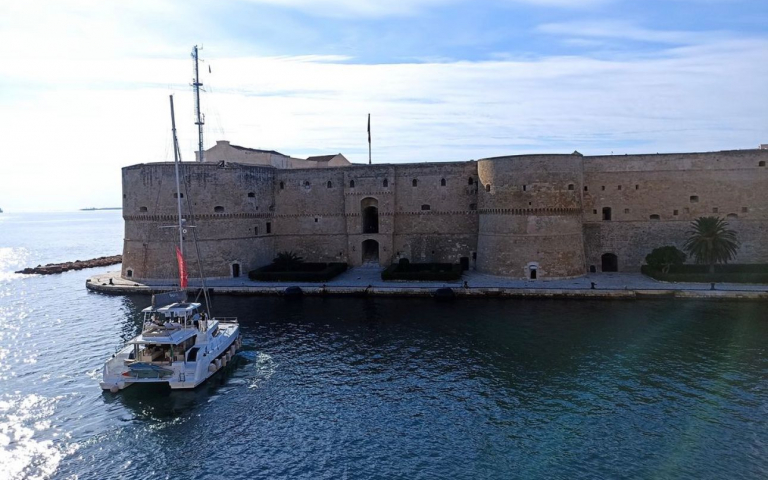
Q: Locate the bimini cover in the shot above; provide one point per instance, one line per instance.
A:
(163, 299)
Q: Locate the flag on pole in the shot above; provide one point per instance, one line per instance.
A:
(182, 269)
(369, 139)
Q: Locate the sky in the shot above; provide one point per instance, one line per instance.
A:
(85, 84)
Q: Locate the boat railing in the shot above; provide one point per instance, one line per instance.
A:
(226, 319)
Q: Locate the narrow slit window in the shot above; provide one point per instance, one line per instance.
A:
(330, 184)
(385, 183)
(415, 182)
(425, 207)
(442, 182)
(351, 184)
(269, 227)
(655, 218)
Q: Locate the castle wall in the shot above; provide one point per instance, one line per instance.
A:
(228, 204)
(504, 216)
(678, 188)
(530, 216)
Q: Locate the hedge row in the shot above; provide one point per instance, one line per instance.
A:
(309, 272)
(757, 273)
(422, 271)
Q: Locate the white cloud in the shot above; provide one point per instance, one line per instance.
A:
(378, 8)
(628, 31)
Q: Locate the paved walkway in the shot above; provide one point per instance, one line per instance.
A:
(367, 280)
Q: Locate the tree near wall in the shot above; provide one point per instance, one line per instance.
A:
(710, 241)
(662, 258)
(287, 261)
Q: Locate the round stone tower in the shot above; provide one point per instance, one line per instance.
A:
(530, 216)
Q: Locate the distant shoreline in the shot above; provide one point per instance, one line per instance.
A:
(104, 208)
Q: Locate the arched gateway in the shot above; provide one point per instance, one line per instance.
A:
(370, 251)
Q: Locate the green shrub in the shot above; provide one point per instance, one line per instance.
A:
(754, 273)
(663, 258)
(422, 271)
(305, 272)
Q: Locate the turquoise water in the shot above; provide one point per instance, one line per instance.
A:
(377, 388)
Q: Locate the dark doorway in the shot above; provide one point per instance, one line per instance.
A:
(610, 262)
(370, 251)
(607, 214)
(370, 211)
(464, 261)
(235, 270)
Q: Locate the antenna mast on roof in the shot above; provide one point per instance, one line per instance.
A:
(200, 120)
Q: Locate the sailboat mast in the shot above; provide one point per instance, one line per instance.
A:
(176, 161)
(197, 84)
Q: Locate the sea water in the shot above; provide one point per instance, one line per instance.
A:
(352, 388)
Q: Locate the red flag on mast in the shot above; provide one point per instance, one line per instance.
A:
(182, 269)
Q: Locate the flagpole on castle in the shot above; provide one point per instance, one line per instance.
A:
(369, 139)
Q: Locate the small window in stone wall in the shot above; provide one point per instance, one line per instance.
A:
(715, 209)
(674, 212)
(655, 217)
(442, 182)
(570, 186)
(488, 188)
(315, 219)
(525, 188)
(282, 185)
(351, 184)
(761, 163)
(218, 209)
(473, 206)
(626, 210)
(471, 181)
(125, 196)
(256, 231)
(415, 182)
(607, 214)
(694, 199)
(619, 187)
(330, 184)
(269, 227)
(594, 212)
(176, 195)
(251, 195)
(129, 273)
(602, 188)
(586, 188)
(637, 187)
(385, 183)
(425, 207)
(142, 209)
(744, 209)
(306, 184)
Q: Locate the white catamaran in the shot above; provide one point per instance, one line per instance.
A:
(179, 344)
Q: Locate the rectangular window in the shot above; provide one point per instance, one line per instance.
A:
(674, 212)
(626, 210)
(255, 230)
(619, 187)
(269, 227)
(586, 188)
(744, 209)
(637, 187)
(602, 188)
(714, 209)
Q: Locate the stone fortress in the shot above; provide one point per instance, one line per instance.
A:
(524, 216)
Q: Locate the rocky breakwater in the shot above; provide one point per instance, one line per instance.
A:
(52, 268)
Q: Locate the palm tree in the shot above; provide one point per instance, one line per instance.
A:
(711, 241)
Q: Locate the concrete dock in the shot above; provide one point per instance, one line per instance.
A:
(363, 281)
